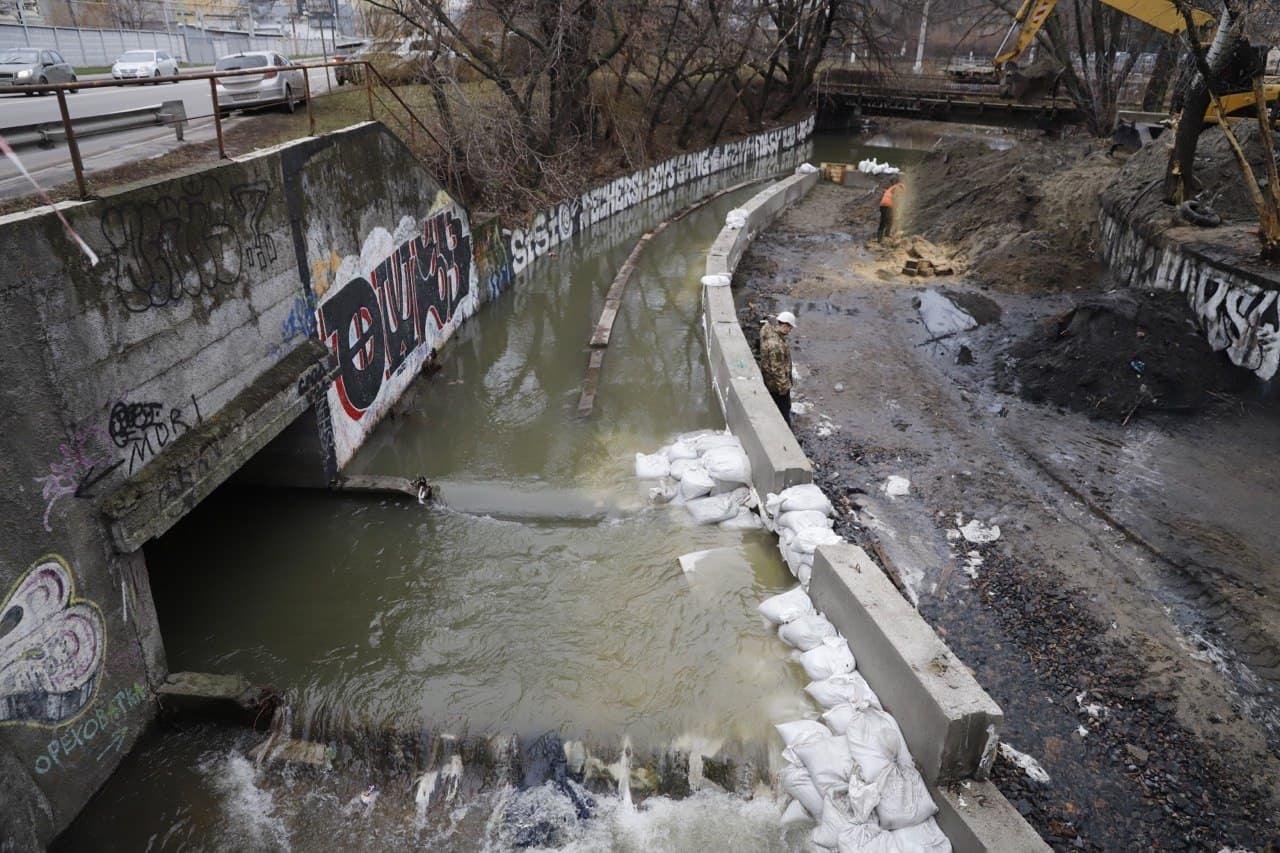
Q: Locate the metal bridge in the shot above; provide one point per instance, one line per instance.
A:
(841, 96)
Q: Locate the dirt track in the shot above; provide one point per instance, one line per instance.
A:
(1126, 618)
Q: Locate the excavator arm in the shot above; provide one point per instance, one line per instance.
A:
(1161, 14)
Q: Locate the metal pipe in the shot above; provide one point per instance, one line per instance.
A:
(72, 145)
(368, 91)
(306, 90)
(217, 117)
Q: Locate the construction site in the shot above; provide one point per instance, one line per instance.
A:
(840, 428)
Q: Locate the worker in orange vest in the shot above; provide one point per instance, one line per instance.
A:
(887, 203)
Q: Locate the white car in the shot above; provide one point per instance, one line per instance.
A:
(281, 82)
(141, 64)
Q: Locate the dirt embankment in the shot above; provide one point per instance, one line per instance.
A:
(1025, 218)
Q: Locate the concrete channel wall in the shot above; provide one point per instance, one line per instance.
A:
(1236, 306)
(950, 723)
(285, 298)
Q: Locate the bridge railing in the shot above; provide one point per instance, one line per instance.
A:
(363, 73)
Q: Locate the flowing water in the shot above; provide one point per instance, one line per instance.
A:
(549, 598)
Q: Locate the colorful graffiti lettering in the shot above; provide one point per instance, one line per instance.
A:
(383, 320)
(105, 722)
(51, 647)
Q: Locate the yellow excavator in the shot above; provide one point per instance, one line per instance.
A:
(1161, 14)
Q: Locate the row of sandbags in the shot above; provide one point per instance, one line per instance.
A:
(708, 473)
(851, 772)
(802, 517)
(872, 166)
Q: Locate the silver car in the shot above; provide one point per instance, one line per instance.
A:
(142, 64)
(22, 68)
(281, 82)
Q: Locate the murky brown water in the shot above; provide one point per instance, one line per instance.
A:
(380, 613)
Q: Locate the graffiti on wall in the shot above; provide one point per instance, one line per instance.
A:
(401, 297)
(202, 240)
(83, 462)
(550, 228)
(1235, 315)
(51, 647)
(105, 721)
(143, 429)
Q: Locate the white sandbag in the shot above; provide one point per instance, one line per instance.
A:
(744, 520)
(806, 169)
(839, 689)
(803, 574)
(715, 280)
(681, 450)
(652, 466)
(736, 218)
(875, 742)
(838, 718)
(807, 541)
(680, 467)
(904, 799)
(712, 440)
(865, 838)
(807, 632)
(795, 813)
(797, 732)
(727, 464)
(924, 837)
(664, 492)
(801, 497)
(711, 510)
(695, 483)
(786, 606)
(802, 518)
(827, 760)
(831, 658)
(863, 799)
(835, 818)
(795, 780)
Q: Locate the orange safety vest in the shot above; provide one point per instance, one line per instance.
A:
(886, 200)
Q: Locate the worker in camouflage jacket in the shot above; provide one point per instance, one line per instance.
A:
(775, 361)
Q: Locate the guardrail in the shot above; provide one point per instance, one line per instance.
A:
(69, 130)
(46, 134)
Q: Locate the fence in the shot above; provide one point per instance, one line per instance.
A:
(91, 47)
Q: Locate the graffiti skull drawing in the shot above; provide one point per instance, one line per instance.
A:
(51, 647)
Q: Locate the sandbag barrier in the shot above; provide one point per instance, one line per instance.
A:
(949, 724)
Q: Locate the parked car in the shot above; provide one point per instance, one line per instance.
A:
(24, 67)
(281, 82)
(140, 64)
(342, 53)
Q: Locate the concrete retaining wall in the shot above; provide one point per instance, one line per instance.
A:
(776, 458)
(1237, 308)
(950, 723)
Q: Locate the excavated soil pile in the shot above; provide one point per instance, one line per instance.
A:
(1138, 188)
(1024, 217)
(1119, 354)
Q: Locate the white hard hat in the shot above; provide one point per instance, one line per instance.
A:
(787, 317)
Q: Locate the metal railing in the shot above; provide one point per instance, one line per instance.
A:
(412, 123)
(44, 134)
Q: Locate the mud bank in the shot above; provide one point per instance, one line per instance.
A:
(1081, 569)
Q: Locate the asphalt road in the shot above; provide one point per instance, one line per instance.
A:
(17, 109)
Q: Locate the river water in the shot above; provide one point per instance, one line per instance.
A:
(380, 615)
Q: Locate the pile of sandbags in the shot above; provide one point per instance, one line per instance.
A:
(708, 473)
(851, 773)
(872, 166)
(802, 516)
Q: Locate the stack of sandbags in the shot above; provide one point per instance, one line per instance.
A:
(708, 473)
(802, 516)
(852, 772)
(872, 166)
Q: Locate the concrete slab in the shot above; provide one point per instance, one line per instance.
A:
(977, 818)
(949, 721)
